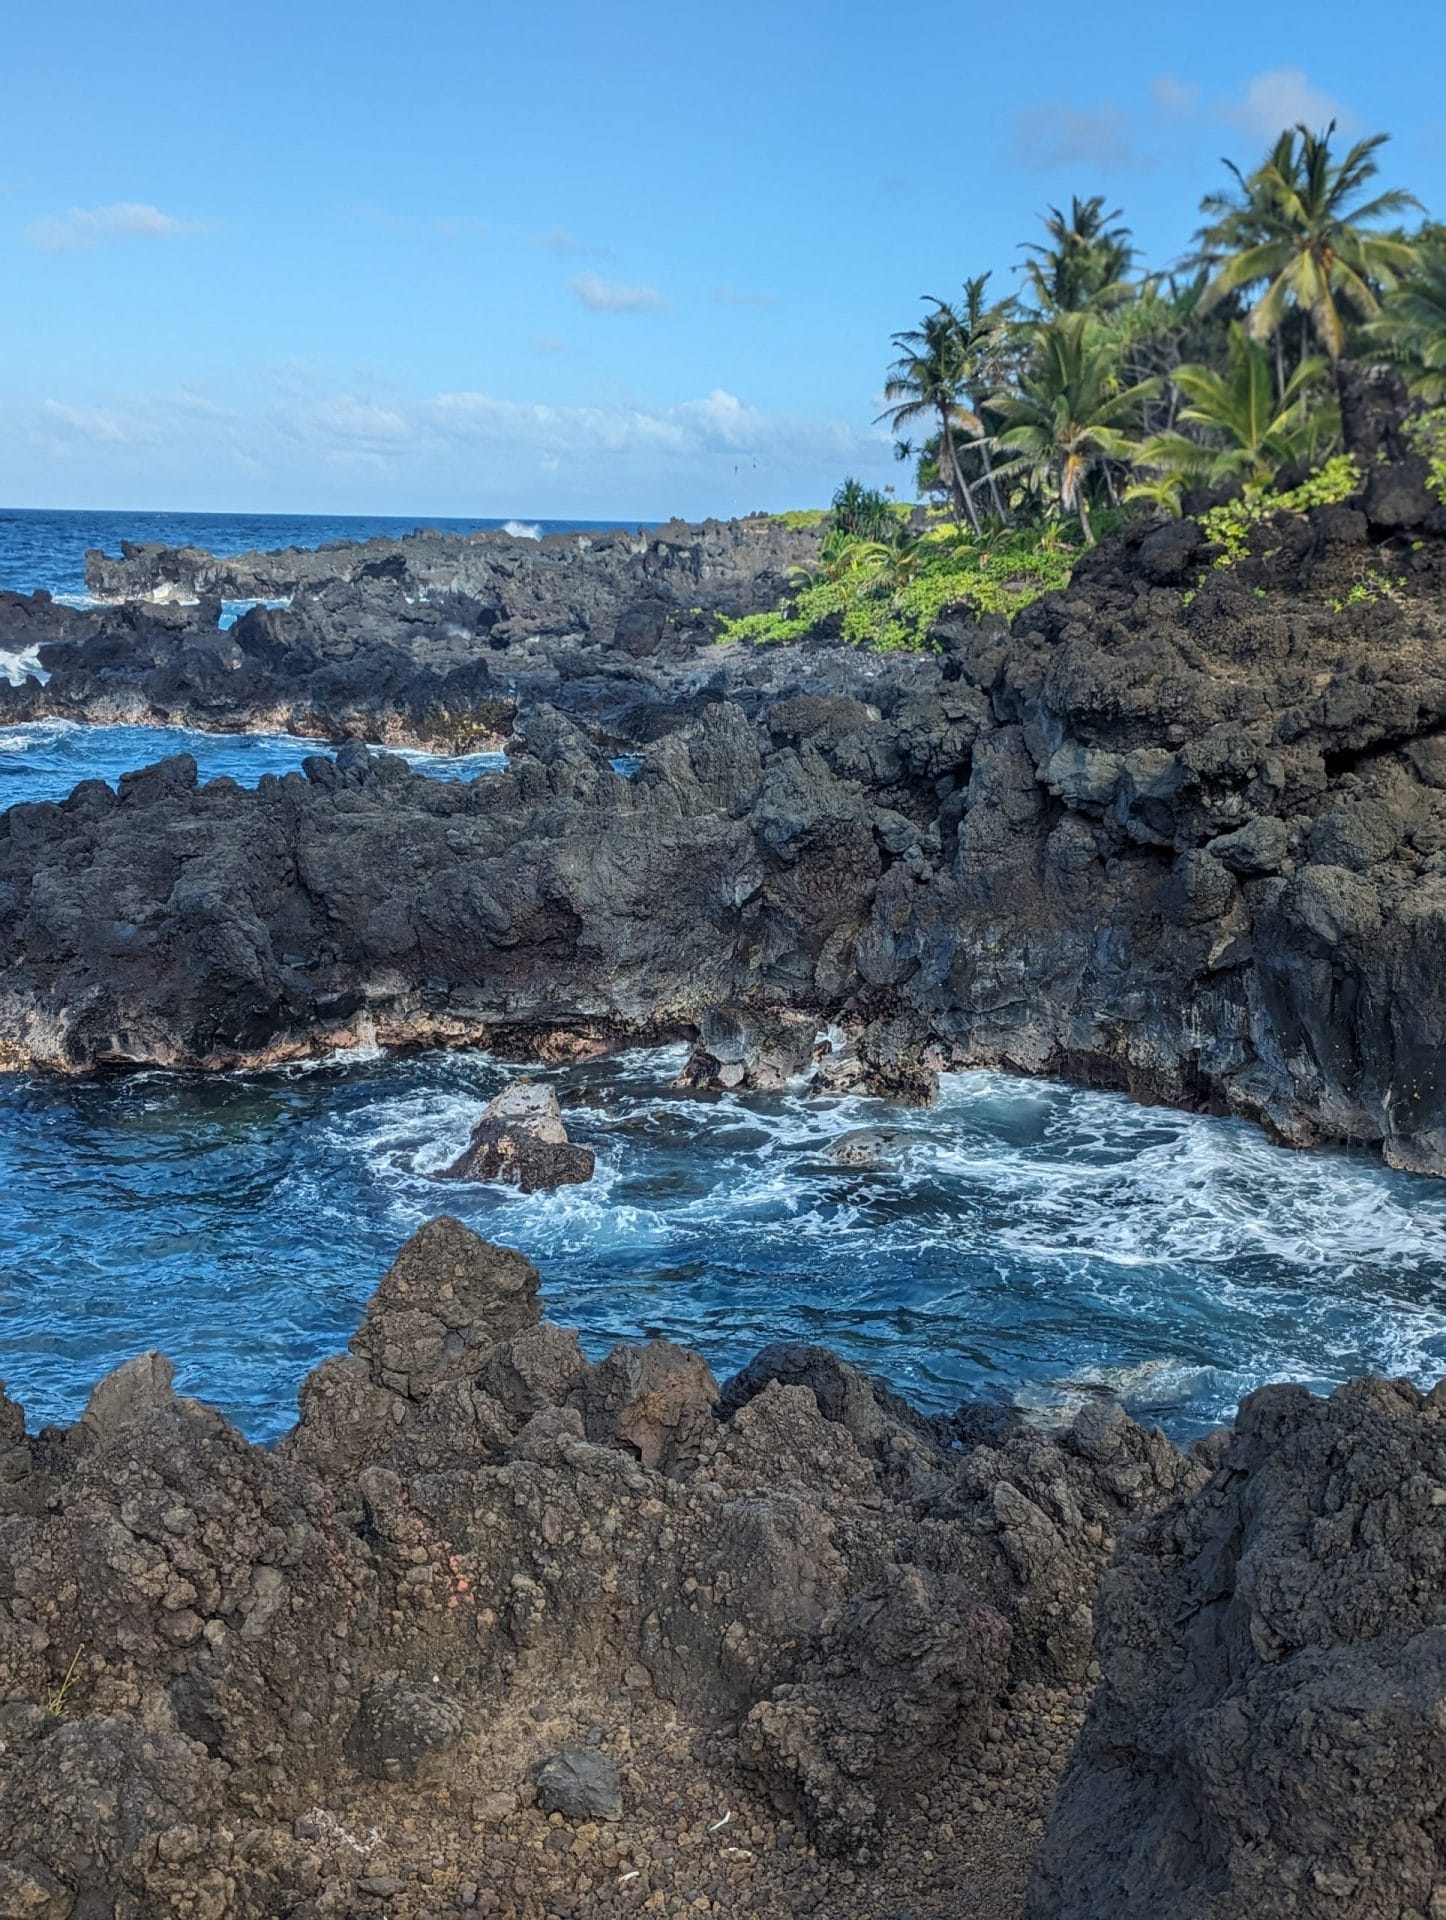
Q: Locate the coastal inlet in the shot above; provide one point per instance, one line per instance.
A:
(1024, 1241)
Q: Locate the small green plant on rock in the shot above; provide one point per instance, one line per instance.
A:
(887, 594)
(1427, 436)
(1230, 526)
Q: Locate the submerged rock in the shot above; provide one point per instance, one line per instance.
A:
(522, 1141)
(869, 1148)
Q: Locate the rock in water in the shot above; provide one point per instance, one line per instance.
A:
(521, 1140)
(869, 1148)
(740, 1048)
(581, 1786)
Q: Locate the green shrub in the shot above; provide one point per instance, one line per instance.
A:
(1427, 435)
(1229, 527)
(887, 596)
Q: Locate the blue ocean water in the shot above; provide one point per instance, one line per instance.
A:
(1037, 1244)
(46, 759)
(40, 548)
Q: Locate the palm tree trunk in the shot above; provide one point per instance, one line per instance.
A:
(1084, 518)
(962, 496)
(1279, 367)
(1001, 512)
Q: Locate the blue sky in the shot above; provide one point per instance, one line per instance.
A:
(580, 261)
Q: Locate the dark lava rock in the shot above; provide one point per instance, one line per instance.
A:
(1185, 842)
(1267, 1742)
(403, 1729)
(740, 1047)
(271, 1650)
(581, 1785)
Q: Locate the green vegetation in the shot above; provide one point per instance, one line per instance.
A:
(1427, 434)
(1299, 225)
(55, 1705)
(888, 594)
(1411, 326)
(1230, 526)
(1102, 389)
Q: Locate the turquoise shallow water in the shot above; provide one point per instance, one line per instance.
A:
(1038, 1244)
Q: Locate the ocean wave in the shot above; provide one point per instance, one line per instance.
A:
(523, 529)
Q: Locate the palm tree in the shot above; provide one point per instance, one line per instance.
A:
(1240, 409)
(1299, 225)
(1411, 326)
(1086, 264)
(984, 326)
(930, 378)
(1070, 414)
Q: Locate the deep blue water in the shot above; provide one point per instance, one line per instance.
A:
(39, 548)
(1038, 1243)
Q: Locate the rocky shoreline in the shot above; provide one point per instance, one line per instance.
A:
(1181, 831)
(433, 641)
(498, 1629)
(495, 1630)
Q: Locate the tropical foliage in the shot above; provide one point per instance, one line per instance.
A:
(1103, 388)
(1299, 231)
(1244, 429)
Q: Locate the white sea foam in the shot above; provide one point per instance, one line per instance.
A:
(523, 529)
(31, 736)
(1055, 1243)
(17, 668)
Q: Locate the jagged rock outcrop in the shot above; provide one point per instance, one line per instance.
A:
(1182, 831)
(567, 583)
(428, 641)
(236, 1682)
(1268, 1740)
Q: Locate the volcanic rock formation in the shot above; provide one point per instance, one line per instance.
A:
(1268, 1739)
(356, 1673)
(522, 1141)
(1181, 831)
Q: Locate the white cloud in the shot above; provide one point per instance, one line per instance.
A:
(1055, 135)
(1272, 102)
(92, 226)
(608, 296)
(85, 423)
(279, 442)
